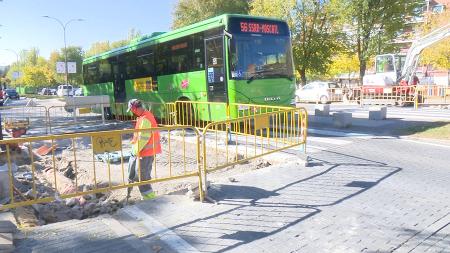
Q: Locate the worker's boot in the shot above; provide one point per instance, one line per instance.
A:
(149, 196)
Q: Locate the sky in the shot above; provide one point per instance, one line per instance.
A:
(22, 25)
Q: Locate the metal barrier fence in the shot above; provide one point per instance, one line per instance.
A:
(164, 112)
(200, 113)
(72, 165)
(44, 169)
(395, 95)
(234, 141)
(432, 95)
(23, 118)
(87, 114)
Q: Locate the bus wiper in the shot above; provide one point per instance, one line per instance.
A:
(270, 73)
(253, 77)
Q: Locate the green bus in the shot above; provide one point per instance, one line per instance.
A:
(233, 59)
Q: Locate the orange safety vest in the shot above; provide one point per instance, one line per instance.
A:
(153, 146)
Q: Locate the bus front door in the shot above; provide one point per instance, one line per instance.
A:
(118, 68)
(215, 70)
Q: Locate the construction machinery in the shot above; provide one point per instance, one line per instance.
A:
(395, 73)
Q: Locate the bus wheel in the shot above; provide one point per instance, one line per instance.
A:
(400, 102)
(108, 114)
(323, 100)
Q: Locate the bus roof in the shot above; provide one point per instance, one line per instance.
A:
(158, 37)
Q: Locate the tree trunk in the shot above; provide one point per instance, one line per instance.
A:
(303, 76)
(362, 70)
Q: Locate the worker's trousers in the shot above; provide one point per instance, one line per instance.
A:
(145, 163)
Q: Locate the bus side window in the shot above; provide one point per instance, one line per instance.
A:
(145, 62)
(179, 54)
(161, 60)
(198, 52)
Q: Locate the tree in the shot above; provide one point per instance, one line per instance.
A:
(97, 48)
(38, 76)
(191, 11)
(103, 46)
(343, 63)
(315, 36)
(371, 25)
(438, 55)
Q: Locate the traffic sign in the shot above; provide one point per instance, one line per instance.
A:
(71, 67)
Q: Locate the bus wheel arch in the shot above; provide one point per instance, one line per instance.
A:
(185, 111)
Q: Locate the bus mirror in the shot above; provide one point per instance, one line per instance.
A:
(229, 35)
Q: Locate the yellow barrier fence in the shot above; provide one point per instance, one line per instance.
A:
(199, 113)
(432, 95)
(164, 112)
(234, 141)
(45, 169)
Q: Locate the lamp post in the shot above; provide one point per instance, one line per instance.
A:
(17, 60)
(64, 26)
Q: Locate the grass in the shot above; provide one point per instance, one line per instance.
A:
(437, 130)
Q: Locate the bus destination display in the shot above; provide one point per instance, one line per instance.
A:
(257, 26)
(252, 27)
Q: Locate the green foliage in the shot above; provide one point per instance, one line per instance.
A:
(315, 34)
(371, 25)
(97, 48)
(103, 46)
(191, 11)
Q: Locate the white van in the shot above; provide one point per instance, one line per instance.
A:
(64, 90)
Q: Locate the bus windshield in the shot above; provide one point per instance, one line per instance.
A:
(256, 56)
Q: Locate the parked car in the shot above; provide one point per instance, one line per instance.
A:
(323, 92)
(46, 91)
(78, 92)
(11, 94)
(64, 90)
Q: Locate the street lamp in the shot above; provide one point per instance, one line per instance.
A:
(64, 26)
(17, 60)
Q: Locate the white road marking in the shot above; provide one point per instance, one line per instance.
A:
(426, 143)
(328, 140)
(338, 133)
(164, 234)
(314, 149)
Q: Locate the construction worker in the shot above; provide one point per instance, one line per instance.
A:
(146, 144)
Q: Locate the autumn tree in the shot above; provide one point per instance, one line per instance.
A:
(36, 71)
(371, 25)
(437, 55)
(191, 11)
(315, 34)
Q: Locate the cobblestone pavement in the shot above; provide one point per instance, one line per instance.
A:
(359, 195)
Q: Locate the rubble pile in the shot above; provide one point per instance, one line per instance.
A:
(80, 207)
